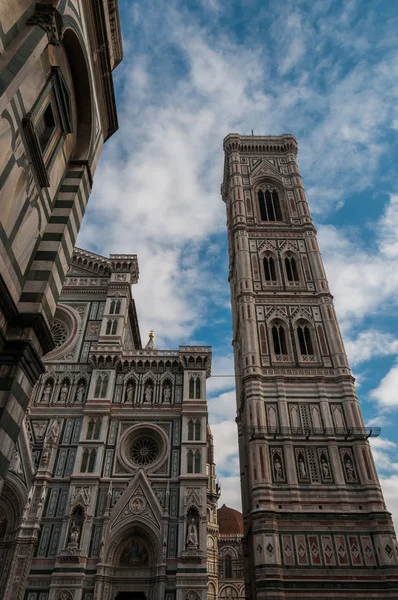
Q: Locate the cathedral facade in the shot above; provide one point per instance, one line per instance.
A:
(117, 436)
(315, 522)
(57, 108)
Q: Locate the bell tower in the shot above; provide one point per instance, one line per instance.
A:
(315, 522)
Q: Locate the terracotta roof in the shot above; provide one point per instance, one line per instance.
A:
(230, 521)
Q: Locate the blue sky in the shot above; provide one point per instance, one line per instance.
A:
(325, 71)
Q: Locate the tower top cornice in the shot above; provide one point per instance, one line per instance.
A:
(261, 143)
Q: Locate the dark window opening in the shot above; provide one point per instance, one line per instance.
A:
(305, 341)
(45, 127)
(279, 340)
(291, 269)
(269, 269)
(269, 205)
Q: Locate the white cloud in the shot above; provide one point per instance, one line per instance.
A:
(390, 493)
(386, 393)
(222, 407)
(222, 365)
(230, 493)
(369, 344)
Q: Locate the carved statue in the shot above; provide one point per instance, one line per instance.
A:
(325, 469)
(74, 535)
(349, 469)
(63, 394)
(80, 392)
(167, 394)
(129, 396)
(301, 467)
(46, 396)
(148, 394)
(278, 468)
(192, 535)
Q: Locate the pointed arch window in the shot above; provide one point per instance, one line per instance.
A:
(90, 429)
(228, 566)
(191, 388)
(197, 387)
(91, 463)
(305, 340)
(279, 340)
(190, 461)
(198, 461)
(269, 268)
(190, 429)
(97, 429)
(108, 327)
(117, 307)
(114, 327)
(197, 429)
(98, 387)
(112, 308)
(269, 205)
(291, 269)
(104, 386)
(86, 454)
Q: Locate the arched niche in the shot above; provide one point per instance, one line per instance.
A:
(82, 90)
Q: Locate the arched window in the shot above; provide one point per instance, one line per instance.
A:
(98, 387)
(197, 387)
(190, 461)
(191, 388)
(104, 386)
(90, 429)
(117, 307)
(86, 453)
(269, 269)
(91, 464)
(197, 461)
(114, 327)
(197, 430)
(97, 429)
(108, 327)
(305, 341)
(190, 429)
(228, 566)
(279, 339)
(269, 205)
(291, 269)
(112, 308)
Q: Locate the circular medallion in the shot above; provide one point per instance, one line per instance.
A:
(137, 505)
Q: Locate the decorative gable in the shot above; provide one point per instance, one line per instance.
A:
(137, 502)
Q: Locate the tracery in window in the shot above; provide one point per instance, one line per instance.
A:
(305, 341)
(228, 566)
(269, 269)
(291, 269)
(279, 339)
(269, 205)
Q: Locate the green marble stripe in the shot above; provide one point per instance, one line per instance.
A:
(4, 464)
(12, 33)
(62, 220)
(52, 237)
(10, 384)
(9, 425)
(11, 257)
(74, 174)
(46, 255)
(64, 204)
(69, 189)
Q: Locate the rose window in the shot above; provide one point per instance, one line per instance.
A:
(144, 451)
(59, 332)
